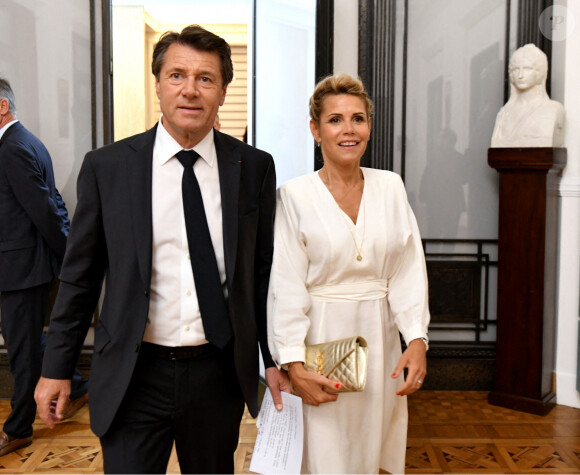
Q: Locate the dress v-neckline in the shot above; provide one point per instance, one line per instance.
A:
(346, 217)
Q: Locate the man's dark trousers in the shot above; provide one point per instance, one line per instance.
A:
(23, 314)
(165, 402)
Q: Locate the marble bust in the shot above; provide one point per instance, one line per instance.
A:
(529, 118)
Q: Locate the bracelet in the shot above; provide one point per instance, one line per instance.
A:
(426, 341)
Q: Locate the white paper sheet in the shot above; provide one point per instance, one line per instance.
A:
(278, 447)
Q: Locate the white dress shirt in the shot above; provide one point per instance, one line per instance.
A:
(174, 318)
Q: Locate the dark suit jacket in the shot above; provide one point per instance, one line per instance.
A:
(33, 219)
(111, 236)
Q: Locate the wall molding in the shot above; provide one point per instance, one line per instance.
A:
(377, 36)
(324, 62)
(529, 32)
(324, 39)
(569, 188)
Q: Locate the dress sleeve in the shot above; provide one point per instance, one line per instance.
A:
(288, 297)
(408, 292)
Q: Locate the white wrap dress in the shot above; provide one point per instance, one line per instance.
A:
(320, 292)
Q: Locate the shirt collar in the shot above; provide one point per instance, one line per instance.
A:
(166, 146)
(5, 128)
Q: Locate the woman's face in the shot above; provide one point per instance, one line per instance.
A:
(344, 129)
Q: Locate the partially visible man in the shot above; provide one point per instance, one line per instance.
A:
(33, 230)
(179, 220)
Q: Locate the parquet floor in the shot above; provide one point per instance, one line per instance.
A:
(449, 432)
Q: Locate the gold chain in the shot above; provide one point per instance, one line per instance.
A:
(341, 213)
(357, 247)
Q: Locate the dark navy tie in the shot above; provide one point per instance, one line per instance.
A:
(212, 304)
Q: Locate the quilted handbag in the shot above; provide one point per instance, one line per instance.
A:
(343, 361)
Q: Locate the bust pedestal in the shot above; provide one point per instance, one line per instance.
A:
(528, 228)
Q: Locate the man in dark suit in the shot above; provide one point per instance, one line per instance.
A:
(161, 371)
(33, 229)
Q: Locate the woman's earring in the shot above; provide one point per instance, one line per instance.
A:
(318, 144)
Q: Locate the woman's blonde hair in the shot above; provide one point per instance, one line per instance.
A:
(338, 84)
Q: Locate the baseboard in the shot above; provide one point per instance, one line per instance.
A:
(567, 394)
(450, 368)
(540, 407)
(460, 368)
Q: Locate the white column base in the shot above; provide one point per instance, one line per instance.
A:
(566, 393)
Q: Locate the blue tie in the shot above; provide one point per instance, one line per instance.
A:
(212, 304)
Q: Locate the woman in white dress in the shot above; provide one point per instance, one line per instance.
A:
(348, 261)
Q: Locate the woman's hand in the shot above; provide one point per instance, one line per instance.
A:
(311, 387)
(415, 360)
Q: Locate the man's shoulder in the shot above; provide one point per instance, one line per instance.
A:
(134, 143)
(232, 144)
(18, 134)
(18, 141)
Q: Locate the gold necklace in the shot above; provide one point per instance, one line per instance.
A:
(357, 247)
(342, 213)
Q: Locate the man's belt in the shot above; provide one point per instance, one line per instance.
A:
(175, 353)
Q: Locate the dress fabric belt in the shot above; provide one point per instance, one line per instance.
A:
(358, 291)
(175, 353)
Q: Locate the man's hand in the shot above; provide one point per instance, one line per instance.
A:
(278, 381)
(47, 391)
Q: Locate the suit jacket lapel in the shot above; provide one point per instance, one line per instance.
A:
(229, 164)
(139, 173)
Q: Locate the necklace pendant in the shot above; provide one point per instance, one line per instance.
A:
(359, 258)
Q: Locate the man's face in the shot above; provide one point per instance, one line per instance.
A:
(5, 115)
(524, 74)
(190, 90)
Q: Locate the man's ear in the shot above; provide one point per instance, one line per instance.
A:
(224, 91)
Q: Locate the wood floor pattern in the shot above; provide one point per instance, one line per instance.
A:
(449, 432)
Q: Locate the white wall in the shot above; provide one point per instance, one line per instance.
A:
(46, 54)
(285, 53)
(130, 65)
(565, 74)
(346, 37)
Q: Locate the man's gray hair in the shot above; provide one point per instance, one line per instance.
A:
(7, 93)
